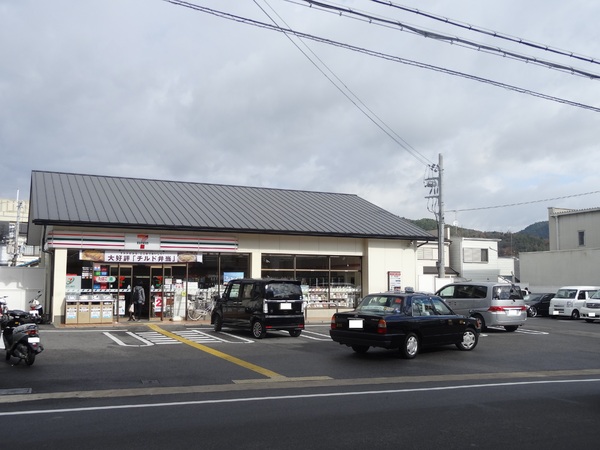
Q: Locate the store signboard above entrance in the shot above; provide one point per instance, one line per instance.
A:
(140, 241)
(139, 257)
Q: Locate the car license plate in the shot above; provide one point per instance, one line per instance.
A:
(355, 323)
(513, 312)
(555, 313)
(33, 340)
(592, 314)
(285, 306)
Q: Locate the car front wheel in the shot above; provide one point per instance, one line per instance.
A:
(575, 314)
(469, 340)
(218, 322)
(410, 346)
(532, 311)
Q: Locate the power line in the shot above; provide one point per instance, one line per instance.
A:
(494, 34)
(348, 93)
(454, 40)
(381, 55)
(522, 203)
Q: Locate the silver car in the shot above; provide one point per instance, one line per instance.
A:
(494, 304)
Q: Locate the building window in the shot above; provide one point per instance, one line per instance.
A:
(327, 280)
(581, 236)
(427, 253)
(475, 255)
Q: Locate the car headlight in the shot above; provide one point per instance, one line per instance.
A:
(570, 304)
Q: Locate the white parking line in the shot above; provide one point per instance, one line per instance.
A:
(120, 342)
(520, 330)
(202, 338)
(157, 338)
(317, 336)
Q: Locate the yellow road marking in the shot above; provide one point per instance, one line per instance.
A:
(232, 359)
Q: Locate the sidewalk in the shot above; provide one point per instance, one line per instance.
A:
(313, 316)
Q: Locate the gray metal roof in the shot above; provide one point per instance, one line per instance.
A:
(102, 201)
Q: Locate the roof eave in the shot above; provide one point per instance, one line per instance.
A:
(230, 230)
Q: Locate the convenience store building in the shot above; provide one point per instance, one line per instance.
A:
(101, 235)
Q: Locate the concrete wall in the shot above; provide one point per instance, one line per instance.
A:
(564, 227)
(383, 256)
(548, 271)
(21, 284)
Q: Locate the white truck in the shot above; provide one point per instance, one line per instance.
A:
(569, 300)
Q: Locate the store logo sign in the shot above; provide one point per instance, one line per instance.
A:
(142, 242)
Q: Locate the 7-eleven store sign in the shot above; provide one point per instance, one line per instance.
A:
(142, 242)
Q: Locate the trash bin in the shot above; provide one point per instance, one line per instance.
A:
(107, 311)
(83, 311)
(71, 312)
(95, 312)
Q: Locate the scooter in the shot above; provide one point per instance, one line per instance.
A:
(36, 310)
(21, 338)
(3, 310)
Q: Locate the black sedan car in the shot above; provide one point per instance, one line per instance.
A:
(538, 304)
(404, 321)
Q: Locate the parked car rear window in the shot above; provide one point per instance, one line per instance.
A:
(288, 291)
(506, 292)
(380, 303)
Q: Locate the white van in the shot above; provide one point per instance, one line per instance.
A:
(569, 300)
(494, 304)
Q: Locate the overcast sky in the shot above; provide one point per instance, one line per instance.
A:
(150, 89)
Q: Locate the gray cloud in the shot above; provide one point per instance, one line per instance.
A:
(150, 89)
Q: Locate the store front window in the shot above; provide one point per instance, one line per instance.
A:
(327, 280)
(168, 288)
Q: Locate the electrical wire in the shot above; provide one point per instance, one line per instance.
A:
(494, 34)
(381, 55)
(455, 40)
(348, 93)
(523, 203)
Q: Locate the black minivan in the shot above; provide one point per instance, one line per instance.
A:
(261, 305)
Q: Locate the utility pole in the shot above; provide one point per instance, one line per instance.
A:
(434, 183)
(441, 224)
(17, 247)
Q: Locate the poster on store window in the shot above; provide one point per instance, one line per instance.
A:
(73, 283)
(395, 281)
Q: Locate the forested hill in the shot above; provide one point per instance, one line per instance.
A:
(534, 238)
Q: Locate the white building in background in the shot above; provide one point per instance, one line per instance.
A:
(13, 214)
(477, 259)
(473, 259)
(574, 255)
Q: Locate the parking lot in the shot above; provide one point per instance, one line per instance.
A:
(191, 355)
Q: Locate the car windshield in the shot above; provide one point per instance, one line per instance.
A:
(387, 303)
(289, 291)
(596, 294)
(566, 293)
